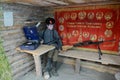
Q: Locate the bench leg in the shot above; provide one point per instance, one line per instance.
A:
(77, 66)
(38, 65)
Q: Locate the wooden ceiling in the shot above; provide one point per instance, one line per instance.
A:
(58, 2)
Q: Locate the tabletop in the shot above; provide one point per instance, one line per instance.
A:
(39, 51)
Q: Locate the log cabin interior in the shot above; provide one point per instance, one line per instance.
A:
(76, 21)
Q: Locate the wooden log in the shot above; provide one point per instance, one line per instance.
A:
(10, 32)
(12, 37)
(20, 62)
(21, 68)
(21, 73)
(11, 52)
(19, 56)
(11, 28)
(13, 42)
(11, 47)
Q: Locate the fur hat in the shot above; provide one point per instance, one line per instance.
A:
(50, 21)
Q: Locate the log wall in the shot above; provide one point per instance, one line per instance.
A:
(13, 36)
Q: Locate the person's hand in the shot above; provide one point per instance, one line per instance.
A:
(41, 41)
(62, 51)
(66, 47)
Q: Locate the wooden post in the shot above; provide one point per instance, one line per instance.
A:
(77, 66)
(38, 65)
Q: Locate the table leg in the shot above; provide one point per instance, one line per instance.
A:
(38, 67)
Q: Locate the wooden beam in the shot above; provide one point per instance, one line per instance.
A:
(77, 1)
(8, 1)
(57, 2)
(47, 3)
(90, 4)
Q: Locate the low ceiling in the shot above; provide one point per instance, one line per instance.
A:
(58, 2)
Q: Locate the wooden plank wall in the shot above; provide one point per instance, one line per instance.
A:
(13, 36)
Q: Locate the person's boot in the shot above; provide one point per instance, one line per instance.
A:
(48, 65)
(54, 69)
(46, 75)
(48, 69)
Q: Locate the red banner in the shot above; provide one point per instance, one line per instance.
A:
(90, 23)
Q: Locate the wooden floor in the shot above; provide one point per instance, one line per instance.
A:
(66, 72)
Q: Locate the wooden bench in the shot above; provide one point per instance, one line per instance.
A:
(90, 56)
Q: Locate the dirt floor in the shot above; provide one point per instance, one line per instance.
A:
(66, 72)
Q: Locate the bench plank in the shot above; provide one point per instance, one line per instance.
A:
(92, 56)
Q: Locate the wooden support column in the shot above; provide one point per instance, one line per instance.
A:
(38, 65)
(77, 66)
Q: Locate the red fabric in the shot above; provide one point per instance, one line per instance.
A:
(91, 24)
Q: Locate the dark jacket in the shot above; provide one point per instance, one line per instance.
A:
(51, 37)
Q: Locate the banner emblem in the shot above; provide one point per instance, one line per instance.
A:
(66, 16)
(75, 33)
(73, 16)
(81, 15)
(108, 16)
(108, 33)
(99, 15)
(93, 37)
(109, 24)
(61, 20)
(63, 35)
(90, 15)
(69, 35)
(85, 34)
(61, 27)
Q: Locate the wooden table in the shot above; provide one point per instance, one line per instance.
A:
(42, 49)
